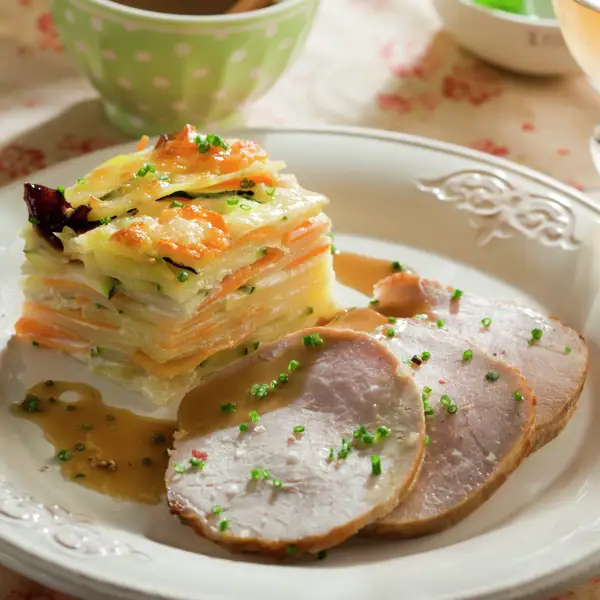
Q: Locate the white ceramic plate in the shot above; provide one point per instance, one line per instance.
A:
(476, 222)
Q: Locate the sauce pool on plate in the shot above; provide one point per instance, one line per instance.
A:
(361, 273)
(110, 450)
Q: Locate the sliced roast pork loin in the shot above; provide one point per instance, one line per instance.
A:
(552, 357)
(479, 422)
(266, 458)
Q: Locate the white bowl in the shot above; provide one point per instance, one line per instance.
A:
(525, 44)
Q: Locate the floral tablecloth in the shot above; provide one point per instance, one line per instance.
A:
(373, 63)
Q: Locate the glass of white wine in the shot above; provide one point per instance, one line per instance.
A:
(580, 24)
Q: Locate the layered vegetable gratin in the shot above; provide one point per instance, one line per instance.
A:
(162, 264)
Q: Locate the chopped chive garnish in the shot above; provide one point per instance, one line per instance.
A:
(263, 251)
(61, 189)
(197, 463)
(313, 339)
(81, 180)
(427, 440)
(518, 397)
(344, 449)
(309, 310)
(31, 404)
(392, 319)
(176, 204)
(244, 206)
(243, 427)
(492, 375)
(299, 429)
(179, 468)
(486, 322)
(383, 431)
(292, 549)
(421, 317)
(536, 335)
(283, 378)
(376, 464)
(568, 350)
(358, 433)
(64, 455)
(331, 454)
(294, 364)
(262, 391)
(183, 277)
(428, 409)
(34, 221)
(86, 426)
(270, 191)
(368, 438)
(228, 408)
(397, 266)
(456, 294)
(321, 554)
(147, 168)
(448, 404)
(468, 354)
(390, 332)
(446, 400)
(427, 390)
(233, 201)
(440, 323)
(277, 483)
(255, 473)
(223, 525)
(254, 416)
(374, 302)
(425, 355)
(264, 473)
(216, 509)
(204, 142)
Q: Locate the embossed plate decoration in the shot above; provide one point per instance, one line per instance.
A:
(477, 222)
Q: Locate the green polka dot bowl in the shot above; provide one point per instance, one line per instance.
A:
(155, 72)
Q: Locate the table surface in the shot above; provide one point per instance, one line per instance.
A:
(406, 74)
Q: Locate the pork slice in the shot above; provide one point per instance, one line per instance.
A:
(278, 490)
(471, 451)
(554, 365)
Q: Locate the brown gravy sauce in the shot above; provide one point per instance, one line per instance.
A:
(361, 273)
(110, 450)
(200, 411)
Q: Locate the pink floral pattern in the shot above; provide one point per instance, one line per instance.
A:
(48, 35)
(491, 147)
(74, 145)
(17, 160)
